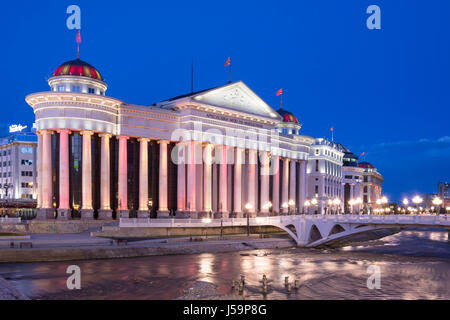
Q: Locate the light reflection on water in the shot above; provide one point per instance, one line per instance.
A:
(414, 265)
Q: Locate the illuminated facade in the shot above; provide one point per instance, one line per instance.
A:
(221, 152)
(325, 176)
(371, 186)
(18, 165)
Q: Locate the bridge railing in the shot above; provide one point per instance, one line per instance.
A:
(283, 220)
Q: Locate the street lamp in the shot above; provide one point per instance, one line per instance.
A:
(330, 204)
(437, 202)
(337, 202)
(307, 204)
(291, 204)
(417, 200)
(314, 202)
(351, 202)
(284, 205)
(248, 207)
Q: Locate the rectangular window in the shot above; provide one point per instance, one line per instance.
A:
(61, 88)
(317, 165)
(76, 89)
(91, 90)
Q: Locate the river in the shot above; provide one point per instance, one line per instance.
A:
(413, 264)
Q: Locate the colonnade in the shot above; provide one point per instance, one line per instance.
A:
(233, 190)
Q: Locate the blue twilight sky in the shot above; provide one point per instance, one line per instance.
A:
(386, 92)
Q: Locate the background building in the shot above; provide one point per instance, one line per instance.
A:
(324, 174)
(18, 164)
(444, 193)
(352, 180)
(371, 185)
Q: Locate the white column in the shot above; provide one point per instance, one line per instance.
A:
(123, 178)
(302, 186)
(181, 178)
(46, 188)
(86, 187)
(285, 186)
(163, 211)
(64, 209)
(252, 163)
(292, 185)
(47, 170)
(276, 185)
(191, 178)
(105, 211)
(143, 178)
(223, 182)
(265, 173)
(237, 205)
(39, 170)
(207, 182)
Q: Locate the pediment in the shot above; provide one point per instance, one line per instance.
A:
(237, 96)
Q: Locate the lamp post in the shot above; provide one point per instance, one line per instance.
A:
(307, 204)
(291, 204)
(417, 200)
(284, 205)
(437, 202)
(351, 202)
(337, 203)
(314, 202)
(405, 204)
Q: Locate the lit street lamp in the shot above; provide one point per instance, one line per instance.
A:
(337, 202)
(307, 204)
(291, 204)
(437, 202)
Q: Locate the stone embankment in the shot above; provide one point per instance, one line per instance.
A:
(9, 292)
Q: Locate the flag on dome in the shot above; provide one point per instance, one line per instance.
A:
(280, 92)
(228, 62)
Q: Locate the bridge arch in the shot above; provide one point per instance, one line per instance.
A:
(314, 234)
(337, 228)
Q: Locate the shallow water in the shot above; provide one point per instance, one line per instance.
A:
(413, 265)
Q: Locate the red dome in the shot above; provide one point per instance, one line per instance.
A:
(77, 68)
(365, 165)
(287, 116)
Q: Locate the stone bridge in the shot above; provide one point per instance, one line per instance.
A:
(306, 230)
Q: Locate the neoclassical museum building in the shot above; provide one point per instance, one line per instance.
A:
(221, 152)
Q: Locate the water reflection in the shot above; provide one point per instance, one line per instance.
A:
(323, 274)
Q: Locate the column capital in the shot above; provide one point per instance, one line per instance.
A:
(64, 131)
(44, 132)
(143, 139)
(163, 141)
(123, 137)
(86, 133)
(105, 135)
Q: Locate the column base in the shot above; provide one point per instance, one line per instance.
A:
(123, 213)
(64, 214)
(45, 214)
(182, 215)
(143, 214)
(194, 215)
(221, 215)
(237, 215)
(87, 214)
(163, 214)
(105, 214)
(204, 214)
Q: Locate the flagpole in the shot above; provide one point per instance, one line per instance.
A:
(229, 81)
(281, 101)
